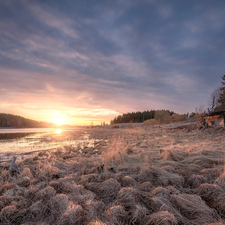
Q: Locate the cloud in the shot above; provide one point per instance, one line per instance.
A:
(117, 56)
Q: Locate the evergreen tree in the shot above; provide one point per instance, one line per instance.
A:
(137, 117)
(9, 120)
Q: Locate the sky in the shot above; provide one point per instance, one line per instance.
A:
(88, 61)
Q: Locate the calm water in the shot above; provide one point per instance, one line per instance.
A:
(26, 130)
(22, 142)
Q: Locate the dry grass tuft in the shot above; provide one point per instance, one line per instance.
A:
(24, 181)
(80, 195)
(146, 186)
(26, 172)
(153, 204)
(45, 194)
(97, 222)
(209, 192)
(217, 223)
(164, 192)
(221, 181)
(159, 177)
(128, 181)
(94, 210)
(39, 185)
(138, 214)
(127, 197)
(30, 193)
(163, 178)
(211, 173)
(202, 161)
(37, 210)
(160, 200)
(4, 186)
(145, 175)
(214, 196)
(169, 168)
(73, 215)
(161, 218)
(109, 188)
(106, 190)
(194, 209)
(117, 215)
(173, 155)
(58, 204)
(105, 176)
(195, 181)
(4, 174)
(117, 155)
(5, 201)
(56, 185)
(47, 171)
(8, 215)
(66, 186)
(84, 179)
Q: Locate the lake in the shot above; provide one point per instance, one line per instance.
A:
(29, 141)
(25, 130)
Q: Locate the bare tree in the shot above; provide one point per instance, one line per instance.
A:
(213, 101)
(200, 109)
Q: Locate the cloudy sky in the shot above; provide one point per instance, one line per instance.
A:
(82, 61)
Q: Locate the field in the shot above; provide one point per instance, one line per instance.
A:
(132, 175)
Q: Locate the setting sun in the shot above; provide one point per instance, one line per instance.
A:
(58, 131)
(59, 121)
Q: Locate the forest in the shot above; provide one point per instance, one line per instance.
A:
(137, 117)
(215, 103)
(9, 120)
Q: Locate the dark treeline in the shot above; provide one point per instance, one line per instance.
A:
(9, 120)
(136, 117)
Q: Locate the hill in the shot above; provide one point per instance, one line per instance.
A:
(9, 120)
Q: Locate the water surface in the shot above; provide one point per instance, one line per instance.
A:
(14, 142)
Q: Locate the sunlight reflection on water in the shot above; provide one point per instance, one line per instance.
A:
(31, 143)
(58, 131)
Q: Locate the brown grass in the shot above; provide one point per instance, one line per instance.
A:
(214, 196)
(117, 215)
(147, 176)
(73, 215)
(161, 218)
(221, 181)
(127, 197)
(138, 214)
(94, 210)
(195, 181)
(194, 209)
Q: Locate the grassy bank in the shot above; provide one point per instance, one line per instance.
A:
(133, 175)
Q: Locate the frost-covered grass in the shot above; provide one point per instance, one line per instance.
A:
(131, 175)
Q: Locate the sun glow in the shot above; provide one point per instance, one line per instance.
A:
(58, 131)
(59, 121)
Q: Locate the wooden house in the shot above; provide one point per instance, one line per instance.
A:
(216, 119)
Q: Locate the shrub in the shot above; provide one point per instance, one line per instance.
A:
(115, 126)
(198, 115)
(162, 116)
(177, 117)
(151, 122)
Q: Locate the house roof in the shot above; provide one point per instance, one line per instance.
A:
(216, 113)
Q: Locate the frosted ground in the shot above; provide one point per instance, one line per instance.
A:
(131, 175)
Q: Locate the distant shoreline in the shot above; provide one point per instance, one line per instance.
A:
(27, 127)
